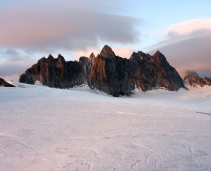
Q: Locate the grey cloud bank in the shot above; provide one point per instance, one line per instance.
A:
(15, 64)
(71, 26)
(188, 52)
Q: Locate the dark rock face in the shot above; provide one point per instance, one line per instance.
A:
(106, 72)
(111, 74)
(55, 72)
(87, 64)
(3, 83)
(154, 71)
(119, 76)
(194, 80)
(207, 81)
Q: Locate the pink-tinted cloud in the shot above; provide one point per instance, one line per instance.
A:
(68, 25)
(188, 27)
(124, 52)
(86, 52)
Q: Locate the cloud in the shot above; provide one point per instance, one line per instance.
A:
(124, 52)
(13, 56)
(189, 27)
(49, 25)
(188, 46)
(14, 65)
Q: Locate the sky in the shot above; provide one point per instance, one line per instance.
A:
(29, 30)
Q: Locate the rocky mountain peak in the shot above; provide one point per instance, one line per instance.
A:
(55, 72)
(160, 59)
(50, 56)
(60, 61)
(158, 54)
(92, 59)
(107, 52)
(61, 57)
(92, 56)
(207, 81)
(120, 76)
(83, 60)
(192, 74)
(50, 59)
(141, 53)
(193, 79)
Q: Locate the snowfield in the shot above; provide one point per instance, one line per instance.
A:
(47, 129)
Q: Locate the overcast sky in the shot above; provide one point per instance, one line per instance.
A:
(29, 30)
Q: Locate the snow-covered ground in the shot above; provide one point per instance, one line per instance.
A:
(47, 129)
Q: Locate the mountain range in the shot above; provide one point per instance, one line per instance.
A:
(107, 72)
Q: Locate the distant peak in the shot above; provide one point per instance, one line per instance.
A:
(142, 54)
(190, 73)
(60, 56)
(50, 56)
(106, 46)
(61, 60)
(92, 55)
(158, 53)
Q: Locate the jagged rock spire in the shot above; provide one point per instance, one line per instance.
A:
(193, 79)
(107, 52)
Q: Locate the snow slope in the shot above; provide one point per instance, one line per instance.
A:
(46, 129)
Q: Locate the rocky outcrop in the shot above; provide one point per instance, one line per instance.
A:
(111, 74)
(207, 81)
(154, 72)
(193, 79)
(3, 83)
(107, 72)
(55, 72)
(87, 64)
(119, 76)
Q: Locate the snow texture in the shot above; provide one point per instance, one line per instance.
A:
(78, 129)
